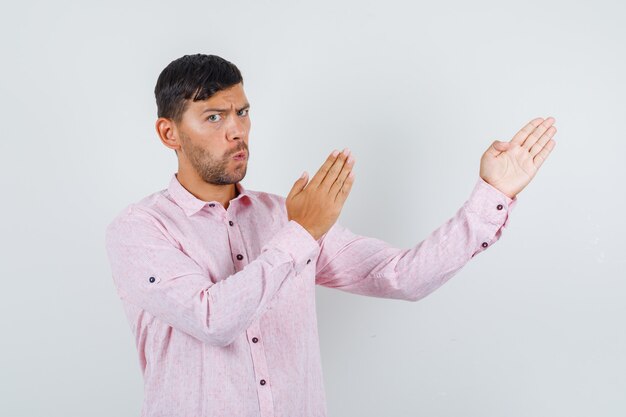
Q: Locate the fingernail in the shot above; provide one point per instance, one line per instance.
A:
(346, 151)
(303, 175)
(335, 152)
(350, 159)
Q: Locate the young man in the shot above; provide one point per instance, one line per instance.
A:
(218, 281)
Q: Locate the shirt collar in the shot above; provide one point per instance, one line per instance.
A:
(191, 204)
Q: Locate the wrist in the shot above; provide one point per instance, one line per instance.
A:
(504, 190)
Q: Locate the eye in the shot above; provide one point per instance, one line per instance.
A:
(243, 112)
(214, 118)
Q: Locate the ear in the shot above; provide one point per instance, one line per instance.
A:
(166, 129)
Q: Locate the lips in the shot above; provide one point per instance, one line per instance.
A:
(240, 156)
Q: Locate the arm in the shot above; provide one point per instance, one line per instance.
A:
(369, 266)
(182, 295)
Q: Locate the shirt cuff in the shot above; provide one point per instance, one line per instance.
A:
(491, 204)
(297, 242)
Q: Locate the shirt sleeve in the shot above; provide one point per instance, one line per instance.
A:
(372, 267)
(151, 271)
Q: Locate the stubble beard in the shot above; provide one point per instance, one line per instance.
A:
(213, 170)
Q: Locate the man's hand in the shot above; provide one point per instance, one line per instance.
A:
(318, 206)
(509, 166)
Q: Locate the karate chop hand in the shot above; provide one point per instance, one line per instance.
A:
(317, 207)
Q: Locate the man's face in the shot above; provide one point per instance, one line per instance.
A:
(212, 132)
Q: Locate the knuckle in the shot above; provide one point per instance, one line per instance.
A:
(333, 171)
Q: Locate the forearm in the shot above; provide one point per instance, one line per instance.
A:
(372, 267)
(150, 271)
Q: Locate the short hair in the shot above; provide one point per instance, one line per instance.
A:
(196, 77)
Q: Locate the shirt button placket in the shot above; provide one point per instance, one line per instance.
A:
(259, 361)
(261, 374)
(235, 237)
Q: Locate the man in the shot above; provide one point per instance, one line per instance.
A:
(218, 281)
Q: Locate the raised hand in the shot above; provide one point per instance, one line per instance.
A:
(510, 166)
(318, 206)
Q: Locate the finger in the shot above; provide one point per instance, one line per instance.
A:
(334, 170)
(540, 158)
(298, 185)
(345, 171)
(321, 173)
(525, 131)
(342, 195)
(540, 130)
(538, 146)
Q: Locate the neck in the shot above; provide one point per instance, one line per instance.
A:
(205, 191)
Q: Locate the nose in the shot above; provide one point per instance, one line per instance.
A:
(237, 128)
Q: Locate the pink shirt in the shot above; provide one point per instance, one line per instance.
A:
(222, 302)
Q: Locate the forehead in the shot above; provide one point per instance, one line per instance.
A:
(231, 96)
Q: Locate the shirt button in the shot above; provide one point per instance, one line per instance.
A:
(230, 222)
(499, 207)
(254, 340)
(485, 244)
(240, 257)
(262, 382)
(152, 279)
(211, 205)
(308, 262)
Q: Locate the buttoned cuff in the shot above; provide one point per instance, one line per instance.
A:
(298, 243)
(491, 204)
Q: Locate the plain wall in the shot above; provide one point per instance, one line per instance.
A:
(418, 91)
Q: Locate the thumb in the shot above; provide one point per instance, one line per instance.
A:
(497, 147)
(299, 184)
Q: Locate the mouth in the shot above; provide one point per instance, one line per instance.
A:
(241, 156)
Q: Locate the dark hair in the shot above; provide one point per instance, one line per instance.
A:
(195, 77)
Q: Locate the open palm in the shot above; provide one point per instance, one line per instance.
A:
(510, 166)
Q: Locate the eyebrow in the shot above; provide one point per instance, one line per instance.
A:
(246, 106)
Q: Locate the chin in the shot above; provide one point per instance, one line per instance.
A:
(241, 177)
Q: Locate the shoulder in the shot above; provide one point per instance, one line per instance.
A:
(145, 212)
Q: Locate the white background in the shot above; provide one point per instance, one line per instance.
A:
(534, 326)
